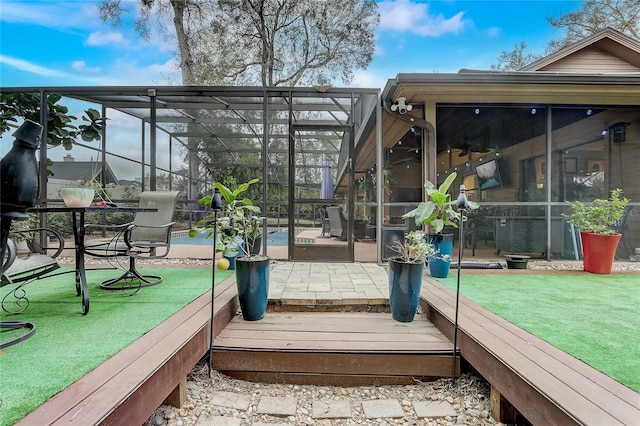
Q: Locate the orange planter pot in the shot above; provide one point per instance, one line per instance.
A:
(599, 250)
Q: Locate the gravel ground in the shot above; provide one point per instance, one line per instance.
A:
(469, 398)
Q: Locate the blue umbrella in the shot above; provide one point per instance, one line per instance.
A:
(326, 187)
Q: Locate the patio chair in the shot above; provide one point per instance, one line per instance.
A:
(338, 222)
(37, 261)
(324, 220)
(22, 269)
(481, 229)
(148, 236)
(621, 226)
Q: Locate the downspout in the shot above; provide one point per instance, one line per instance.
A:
(431, 137)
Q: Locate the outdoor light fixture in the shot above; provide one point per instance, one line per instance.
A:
(462, 204)
(619, 130)
(216, 206)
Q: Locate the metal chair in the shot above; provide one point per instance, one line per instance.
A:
(324, 220)
(20, 269)
(338, 222)
(148, 236)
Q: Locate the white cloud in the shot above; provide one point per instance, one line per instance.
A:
(493, 32)
(69, 14)
(370, 80)
(405, 16)
(30, 67)
(81, 66)
(99, 38)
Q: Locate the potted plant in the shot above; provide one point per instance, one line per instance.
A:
(237, 225)
(437, 212)
(405, 274)
(595, 222)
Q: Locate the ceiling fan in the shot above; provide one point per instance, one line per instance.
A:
(467, 147)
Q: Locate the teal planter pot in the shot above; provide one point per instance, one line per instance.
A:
(405, 282)
(252, 280)
(443, 243)
(232, 262)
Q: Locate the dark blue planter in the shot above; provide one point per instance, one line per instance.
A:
(232, 262)
(405, 281)
(252, 279)
(443, 243)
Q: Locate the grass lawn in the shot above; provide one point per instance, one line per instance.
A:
(592, 317)
(67, 345)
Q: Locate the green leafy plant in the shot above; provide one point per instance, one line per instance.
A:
(438, 211)
(60, 127)
(414, 248)
(238, 223)
(600, 216)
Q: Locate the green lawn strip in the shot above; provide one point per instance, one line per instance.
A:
(67, 345)
(592, 317)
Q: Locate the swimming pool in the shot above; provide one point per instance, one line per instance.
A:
(274, 238)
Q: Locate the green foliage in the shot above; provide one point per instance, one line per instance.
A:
(237, 224)
(515, 59)
(414, 248)
(60, 127)
(438, 211)
(600, 216)
(592, 16)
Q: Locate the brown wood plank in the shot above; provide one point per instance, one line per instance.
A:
(330, 336)
(316, 325)
(355, 322)
(348, 346)
(331, 363)
(296, 332)
(567, 382)
(86, 402)
(329, 379)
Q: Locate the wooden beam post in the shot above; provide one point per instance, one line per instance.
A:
(501, 409)
(178, 396)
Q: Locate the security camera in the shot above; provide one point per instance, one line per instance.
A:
(401, 106)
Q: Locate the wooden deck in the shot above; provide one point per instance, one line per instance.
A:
(130, 386)
(337, 348)
(545, 384)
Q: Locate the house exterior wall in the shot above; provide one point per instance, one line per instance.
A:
(591, 61)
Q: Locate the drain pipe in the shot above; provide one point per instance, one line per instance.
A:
(431, 137)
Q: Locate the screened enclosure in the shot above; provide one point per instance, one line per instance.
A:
(186, 138)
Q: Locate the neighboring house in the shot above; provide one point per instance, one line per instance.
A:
(565, 128)
(70, 172)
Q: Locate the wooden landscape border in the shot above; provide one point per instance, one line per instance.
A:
(548, 386)
(127, 388)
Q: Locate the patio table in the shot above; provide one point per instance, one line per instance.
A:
(77, 216)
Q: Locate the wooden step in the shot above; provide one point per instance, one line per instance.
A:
(337, 348)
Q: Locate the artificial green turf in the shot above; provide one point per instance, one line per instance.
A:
(67, 345)
(592, 317)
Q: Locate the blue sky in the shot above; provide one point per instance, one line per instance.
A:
(64, 43)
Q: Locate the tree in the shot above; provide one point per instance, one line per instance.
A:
(290, 42)
(596, 15)
(60, 127)
(263, 42)
(514, 60)
(189, 17)
(593, 16)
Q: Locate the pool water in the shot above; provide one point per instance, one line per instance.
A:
(274, 238)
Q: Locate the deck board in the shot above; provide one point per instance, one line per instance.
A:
(349, 346)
